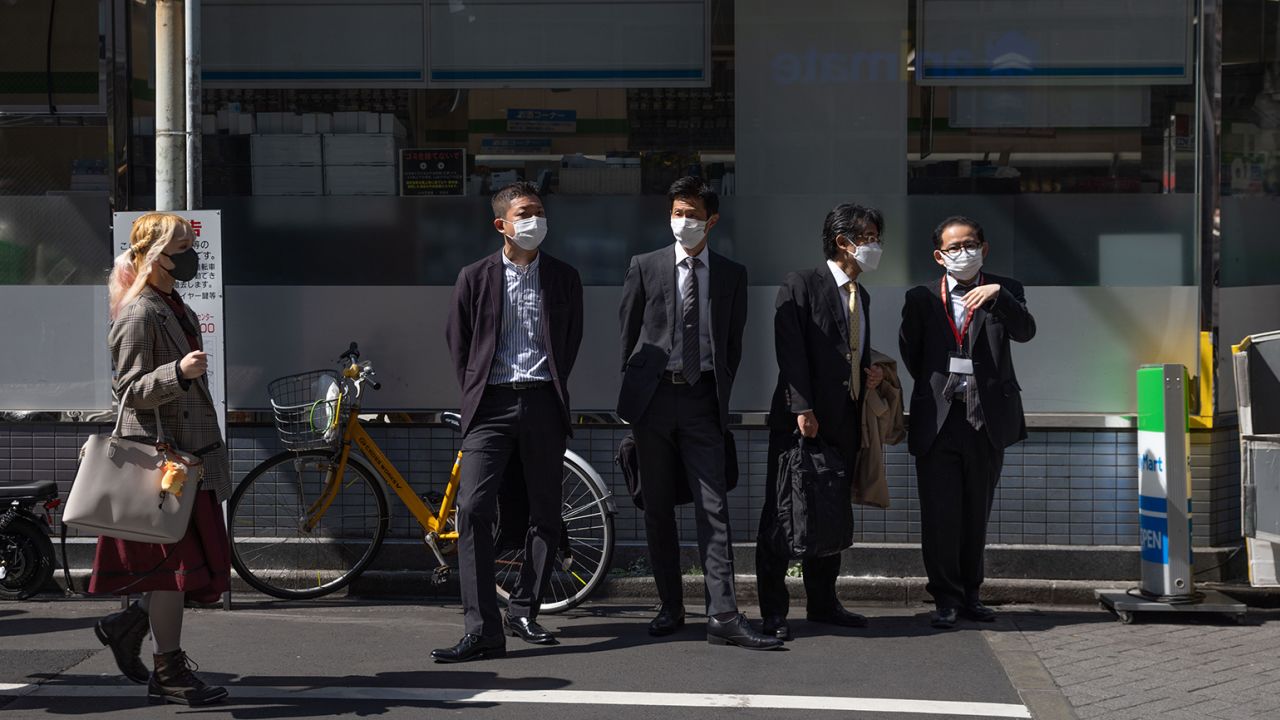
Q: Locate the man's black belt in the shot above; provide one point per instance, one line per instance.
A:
(675, 377)
(523, 385)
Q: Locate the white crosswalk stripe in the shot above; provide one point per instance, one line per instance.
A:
(241, 693)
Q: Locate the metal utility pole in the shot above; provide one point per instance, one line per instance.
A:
(195, 193)
(171, 128)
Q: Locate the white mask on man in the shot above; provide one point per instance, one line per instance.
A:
(868, 256)
(529, 232)
(688, 231)
(965, 264)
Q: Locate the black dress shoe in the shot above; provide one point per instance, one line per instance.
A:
(738, 631)
(668, 621)
(528, 631)
(776, 626)
(840, 617)
(978, 612)
(944, 618)
(472, 647)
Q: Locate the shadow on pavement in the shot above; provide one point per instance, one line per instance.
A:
(10, 627)
(282, 707)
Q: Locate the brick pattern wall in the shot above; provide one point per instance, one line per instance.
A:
(1058, 487)
(1215, 486)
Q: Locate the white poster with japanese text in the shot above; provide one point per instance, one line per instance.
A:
(203, 293)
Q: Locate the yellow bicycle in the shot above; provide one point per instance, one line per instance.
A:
(311, 519)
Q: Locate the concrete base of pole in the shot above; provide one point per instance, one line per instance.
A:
(1126, 606)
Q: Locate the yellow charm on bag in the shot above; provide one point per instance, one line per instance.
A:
(175, 476)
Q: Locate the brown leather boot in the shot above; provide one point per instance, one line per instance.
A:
(175, 681)
(124, 632)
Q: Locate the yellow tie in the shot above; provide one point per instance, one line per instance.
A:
(855, 341)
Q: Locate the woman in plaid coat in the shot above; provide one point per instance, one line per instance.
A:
(160, 370)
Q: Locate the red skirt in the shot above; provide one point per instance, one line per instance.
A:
(199, 564)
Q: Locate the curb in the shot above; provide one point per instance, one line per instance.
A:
(851, 589)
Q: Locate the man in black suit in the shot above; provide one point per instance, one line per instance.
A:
(966, 408)
(683, 312)
(514, 328)
(822, 331)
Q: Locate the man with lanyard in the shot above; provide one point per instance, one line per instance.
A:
(965, 410)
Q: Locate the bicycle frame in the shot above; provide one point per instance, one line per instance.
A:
(355, 433)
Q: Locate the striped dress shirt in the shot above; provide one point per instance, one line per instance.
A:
(520, 355)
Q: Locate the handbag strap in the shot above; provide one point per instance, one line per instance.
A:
(115, 432)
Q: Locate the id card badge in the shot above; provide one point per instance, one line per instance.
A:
(961, 365)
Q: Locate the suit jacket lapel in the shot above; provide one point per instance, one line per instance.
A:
(976, 327)
(497, 284)
(667, 276)
(942, 311)
(546, 282)
(715, 271)
(837, 304)
(865, 296)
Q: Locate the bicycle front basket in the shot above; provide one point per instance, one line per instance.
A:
(310, 408)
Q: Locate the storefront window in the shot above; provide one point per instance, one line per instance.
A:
(1250, 151)
(56, 177)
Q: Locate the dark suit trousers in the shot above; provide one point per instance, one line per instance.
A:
(682, 425)
(507, 421)
(957, 483)
(771, 568)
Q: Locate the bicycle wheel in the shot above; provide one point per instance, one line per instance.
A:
(586, 546)
(26, 559)
(270, 545)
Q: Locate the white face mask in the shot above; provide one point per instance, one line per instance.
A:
(529, 232)
(868, 256)
(965, 265)
(688, 231)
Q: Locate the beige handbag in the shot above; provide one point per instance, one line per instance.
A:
(118, 489)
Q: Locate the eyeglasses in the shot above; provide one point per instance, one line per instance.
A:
(955, 251)
(864, 239)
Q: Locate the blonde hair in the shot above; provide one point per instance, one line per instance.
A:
(151, 234)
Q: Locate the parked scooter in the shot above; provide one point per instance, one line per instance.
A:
(26, 552)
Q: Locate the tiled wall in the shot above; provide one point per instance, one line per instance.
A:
(1058, 487)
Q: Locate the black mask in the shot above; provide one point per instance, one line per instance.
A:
(185, 265)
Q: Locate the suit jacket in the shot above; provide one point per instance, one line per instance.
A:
(649, 316)
(926, 342)
(475, 323)
(146, 344)
(811, 339)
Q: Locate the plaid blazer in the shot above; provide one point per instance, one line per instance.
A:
(146, 345)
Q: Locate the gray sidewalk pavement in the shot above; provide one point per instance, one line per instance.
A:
(361, 657)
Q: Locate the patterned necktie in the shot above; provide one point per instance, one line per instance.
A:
(855, 341)
(691, 339)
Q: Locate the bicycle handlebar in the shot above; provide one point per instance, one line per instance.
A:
(360, 372)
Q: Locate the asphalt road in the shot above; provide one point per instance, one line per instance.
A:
(371, 658)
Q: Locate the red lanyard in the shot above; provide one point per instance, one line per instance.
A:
(963, 332)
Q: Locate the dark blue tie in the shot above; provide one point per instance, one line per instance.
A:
(692, 345)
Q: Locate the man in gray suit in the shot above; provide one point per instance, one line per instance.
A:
(683, 312)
